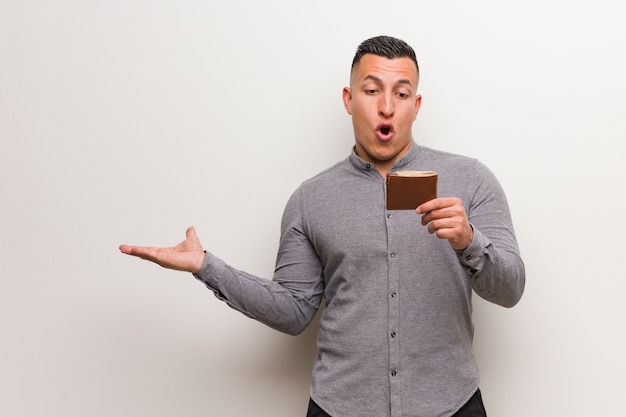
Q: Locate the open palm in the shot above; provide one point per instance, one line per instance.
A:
(186, 256)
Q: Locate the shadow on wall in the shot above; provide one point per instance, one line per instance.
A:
(197, 356)
(153, 355)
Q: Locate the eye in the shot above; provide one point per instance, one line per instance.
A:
(370, 91)
(403, 95)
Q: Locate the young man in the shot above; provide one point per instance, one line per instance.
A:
(395, 338)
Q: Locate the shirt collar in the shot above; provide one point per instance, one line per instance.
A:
(368, 167)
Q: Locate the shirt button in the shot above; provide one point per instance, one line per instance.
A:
(393, 335)
(368, 166)
(389, 216)
(468, 257)
(394, 294)
(394, 373)
(393, 255)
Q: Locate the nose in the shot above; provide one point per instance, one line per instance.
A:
(386, 105)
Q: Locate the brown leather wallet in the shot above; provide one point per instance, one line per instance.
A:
(406, 190)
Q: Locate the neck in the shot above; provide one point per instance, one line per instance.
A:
(383, 168)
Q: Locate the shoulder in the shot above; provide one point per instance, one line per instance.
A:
(320, 181)
(444, 158)
(328, 178)
(457, 172)
(313, 194)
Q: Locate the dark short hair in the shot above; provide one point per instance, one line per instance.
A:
(385, 46)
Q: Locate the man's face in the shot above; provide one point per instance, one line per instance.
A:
(383, 102)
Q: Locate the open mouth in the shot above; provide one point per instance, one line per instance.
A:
(384, 131)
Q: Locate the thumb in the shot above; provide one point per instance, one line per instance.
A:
(191, 232)
(191, 242)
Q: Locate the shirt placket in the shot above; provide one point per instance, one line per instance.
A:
(394, 315)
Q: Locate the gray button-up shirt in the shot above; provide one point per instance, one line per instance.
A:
(395, 337)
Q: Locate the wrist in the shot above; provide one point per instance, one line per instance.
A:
(198, 263)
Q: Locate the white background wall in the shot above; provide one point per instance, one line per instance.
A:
(127, 121)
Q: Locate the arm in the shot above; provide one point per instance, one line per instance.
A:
(288, 303)
(483, 237)
(290, 300)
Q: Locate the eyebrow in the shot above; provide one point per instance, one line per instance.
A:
(378, 80)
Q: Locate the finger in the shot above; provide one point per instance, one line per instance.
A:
(132, 250)
(143, 252)
(426, 207)
(437, 214)
(442, 232)
(435, 227)
(435, 204)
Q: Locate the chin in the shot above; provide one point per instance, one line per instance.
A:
(387, 151)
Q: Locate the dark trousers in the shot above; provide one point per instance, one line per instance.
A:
(473, 408)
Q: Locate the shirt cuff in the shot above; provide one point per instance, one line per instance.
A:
(473, 257)
(210, 271)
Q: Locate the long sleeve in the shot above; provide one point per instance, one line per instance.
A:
(287, 303)
(492, 260)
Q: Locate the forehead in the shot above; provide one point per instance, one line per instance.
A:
(384, 69)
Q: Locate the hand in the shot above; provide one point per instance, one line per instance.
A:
(186, 256)
(447, 218)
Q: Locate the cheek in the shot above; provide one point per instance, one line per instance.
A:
(359, 115)
(409, 115)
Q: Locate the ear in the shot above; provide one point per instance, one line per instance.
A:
(347, 99)
(418, 104)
